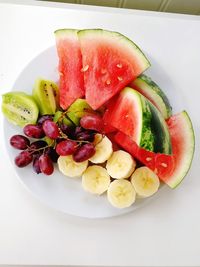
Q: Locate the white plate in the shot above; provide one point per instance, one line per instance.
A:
(58, 191)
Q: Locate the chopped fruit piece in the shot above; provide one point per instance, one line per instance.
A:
(19, 108)
(121, 194)
(113, 60)
(131, 113)
(46, 95)
(103, 150)
(71, 168)
(77, 110)
(96, 180)
(70, 67)
(145, 182)
(153, 92)
(170, 168)
(120, 165)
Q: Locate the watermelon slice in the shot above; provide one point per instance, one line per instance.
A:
(110, 62)
(170, 168)
(135, 116)
(153, 92)
(70, 65)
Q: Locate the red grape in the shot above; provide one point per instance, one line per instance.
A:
(23, 159)
(66, 129)
(36, 165)
(44, 118)
(51, 129)
(37, 145)
(51, 152)
(66, 147)
(92, 122)
(19, 142)
(33, 131)
(85, 136)
(78, 130)
(46, 164)
(84, 152)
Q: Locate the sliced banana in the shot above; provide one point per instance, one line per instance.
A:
(120, 165)
(103, 150)
(70, 168)
(121, 194)
(95, 180)
(145, 182)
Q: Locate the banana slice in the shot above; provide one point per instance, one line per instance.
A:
(95, 180)
(145, 182)
(120, 165)
(121, 194)
(103, 150)
(70, 168)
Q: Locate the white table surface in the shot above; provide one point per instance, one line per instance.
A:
(166, 232)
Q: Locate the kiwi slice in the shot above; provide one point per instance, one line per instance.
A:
(19, 108)
(65, 120)
(57, 116)
(77, 110)
(46, 94)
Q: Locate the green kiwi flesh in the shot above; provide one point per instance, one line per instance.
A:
(77, 110)
(46, 94)
(19, 108)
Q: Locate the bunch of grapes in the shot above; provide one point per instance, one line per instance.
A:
(55, 139)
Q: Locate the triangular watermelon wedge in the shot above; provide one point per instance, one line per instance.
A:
(71, 82)
(110, 62)
(171, 169)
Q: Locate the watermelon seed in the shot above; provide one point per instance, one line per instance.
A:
(108, 82)
(119, 78)
(61, 74)
(119, 65)
(164, 165)
(148, 159)
(103, 71)
(85, 68)
(156, 171)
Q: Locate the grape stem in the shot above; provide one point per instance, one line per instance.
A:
(66, 137)
(41, 148)
(84, 110)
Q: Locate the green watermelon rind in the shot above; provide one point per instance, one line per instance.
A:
(119, 38)
(64, 32)
(159, 127)
(153, 132)
(147, 86)
(147, 138)
(189, 153)
(144, 137)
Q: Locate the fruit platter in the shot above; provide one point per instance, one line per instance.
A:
(99, 126)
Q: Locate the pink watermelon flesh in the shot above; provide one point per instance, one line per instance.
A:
(159, 163)
(171, 169)
(71, 82)
(183, 143)
(110, 61)
(120, 114)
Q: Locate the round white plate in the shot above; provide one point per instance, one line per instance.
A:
(57, 191)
